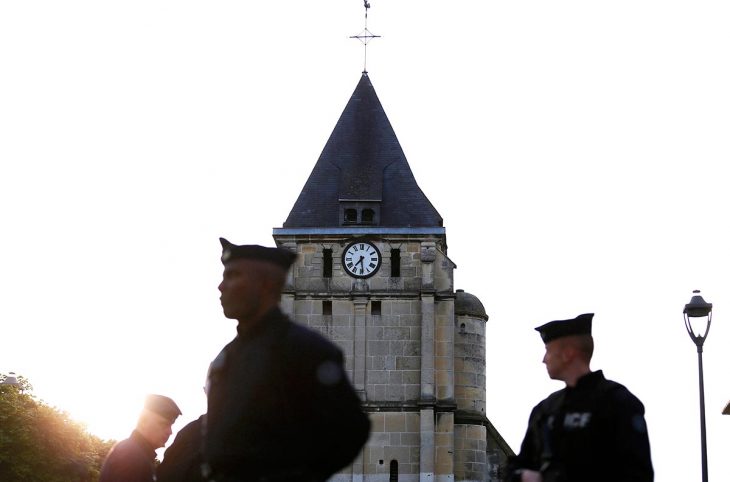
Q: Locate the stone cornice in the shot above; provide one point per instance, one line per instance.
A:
(359, 231)
(409, 406)
(378, 295)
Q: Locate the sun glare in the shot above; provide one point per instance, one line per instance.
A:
(107, 421)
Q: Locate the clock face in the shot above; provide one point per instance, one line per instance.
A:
(361, 259)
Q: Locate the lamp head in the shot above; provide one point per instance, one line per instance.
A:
(697, 306)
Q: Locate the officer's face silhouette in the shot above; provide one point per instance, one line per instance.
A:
(250, 288)
(241, 288)
(555, 359)
(155, 428)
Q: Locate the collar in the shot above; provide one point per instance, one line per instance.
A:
(590, 380)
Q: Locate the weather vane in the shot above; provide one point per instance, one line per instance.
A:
(365, 36)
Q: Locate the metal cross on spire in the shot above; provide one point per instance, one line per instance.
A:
(365, 36)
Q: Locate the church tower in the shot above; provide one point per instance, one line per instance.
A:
(373, 275)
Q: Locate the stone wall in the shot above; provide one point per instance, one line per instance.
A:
(470, 456)
(395, 436)
(470, 364)
(394, 352)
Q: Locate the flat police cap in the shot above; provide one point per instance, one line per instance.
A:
(278, 256)
(163, 406)
(580, 325)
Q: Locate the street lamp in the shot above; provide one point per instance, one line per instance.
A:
(699, 308)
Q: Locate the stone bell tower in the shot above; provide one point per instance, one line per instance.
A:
(373, 275)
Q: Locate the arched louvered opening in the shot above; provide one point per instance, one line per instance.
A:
(350, 216)
(368, 216)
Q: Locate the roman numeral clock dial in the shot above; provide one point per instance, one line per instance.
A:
(361, 259)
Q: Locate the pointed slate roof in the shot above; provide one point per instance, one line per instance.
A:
(362, 161)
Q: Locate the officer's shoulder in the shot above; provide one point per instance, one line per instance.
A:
(307, 339)
(124, 446)
(613, 388)
(551, 400)
(124, 452)
(619, 394)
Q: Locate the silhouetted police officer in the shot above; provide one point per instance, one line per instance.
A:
(593, 430)
(280, 405)
(133, 459)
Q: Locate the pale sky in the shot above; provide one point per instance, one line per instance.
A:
(575, 150)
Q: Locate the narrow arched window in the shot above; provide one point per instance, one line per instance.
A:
(395, 263)
(393, 471)
(326, 263)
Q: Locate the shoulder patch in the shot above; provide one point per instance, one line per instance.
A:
(638, 424)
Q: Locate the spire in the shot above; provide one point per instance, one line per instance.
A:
(362, 176)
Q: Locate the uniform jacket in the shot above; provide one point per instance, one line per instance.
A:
(131, 460)
(594, 432)
(183, 458)
(280, 406)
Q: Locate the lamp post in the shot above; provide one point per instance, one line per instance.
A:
(699, 308)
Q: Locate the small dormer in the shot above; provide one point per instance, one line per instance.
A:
(359, 213)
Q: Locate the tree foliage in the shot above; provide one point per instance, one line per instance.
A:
(39, 443)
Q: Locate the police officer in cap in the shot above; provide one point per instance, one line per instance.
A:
(133, 459)
(591, 430)
(280, 405)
